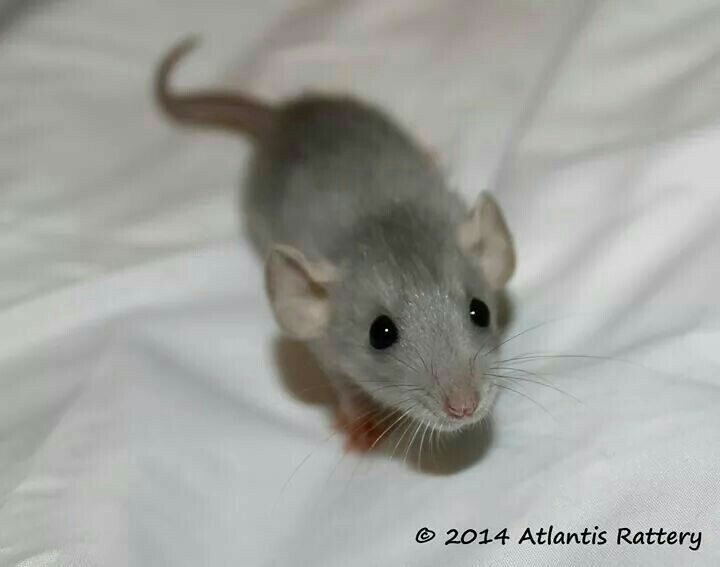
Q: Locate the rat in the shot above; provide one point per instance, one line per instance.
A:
(371, 260)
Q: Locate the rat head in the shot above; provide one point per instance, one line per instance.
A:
(410, 316)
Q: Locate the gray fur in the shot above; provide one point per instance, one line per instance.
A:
(338, 181)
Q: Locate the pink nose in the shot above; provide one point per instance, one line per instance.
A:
(461, 406)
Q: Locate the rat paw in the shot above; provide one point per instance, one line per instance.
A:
(361, 434)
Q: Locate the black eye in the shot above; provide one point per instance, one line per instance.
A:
(479, 313)
(383, 332)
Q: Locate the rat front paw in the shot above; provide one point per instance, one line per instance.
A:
(361, 433)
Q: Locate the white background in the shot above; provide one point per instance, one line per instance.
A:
(149, 414)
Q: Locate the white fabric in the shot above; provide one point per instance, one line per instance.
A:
(145, 418)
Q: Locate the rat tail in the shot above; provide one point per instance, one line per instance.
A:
(209, 108)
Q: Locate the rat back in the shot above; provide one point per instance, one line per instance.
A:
(329, 164)
(324, 169)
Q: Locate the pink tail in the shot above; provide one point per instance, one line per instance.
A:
(209, 108)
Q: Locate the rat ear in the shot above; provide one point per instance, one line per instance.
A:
(485, 236)
(298, 291)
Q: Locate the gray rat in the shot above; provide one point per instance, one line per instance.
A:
(371, 260)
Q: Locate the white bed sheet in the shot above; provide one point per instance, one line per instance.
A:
(150, 416)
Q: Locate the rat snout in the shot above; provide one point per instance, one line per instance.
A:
(461, 403)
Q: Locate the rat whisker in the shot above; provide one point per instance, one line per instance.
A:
(333, 434)
(540, 383)
(403, 362)
(532, 357)
(433, 444)
(328, 386)
(482, 346)
(357, 464)
(512, 369)
(516, 335)
(408, 426)
(404, 387)
(387, 429)
(412, 440)
(433, 397)
(542, 407)
(437, 379)
(537, 375)
(430, 397)
(529, 329)
(350, 429)
(422, 444)
(392, 413)
(383, 384)
(380, 382)
(422, 360)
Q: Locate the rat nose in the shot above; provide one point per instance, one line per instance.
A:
(461, 405)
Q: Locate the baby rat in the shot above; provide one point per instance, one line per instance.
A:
(370, 259)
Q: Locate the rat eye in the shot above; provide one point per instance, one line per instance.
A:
(479, 313)
(383, 333)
